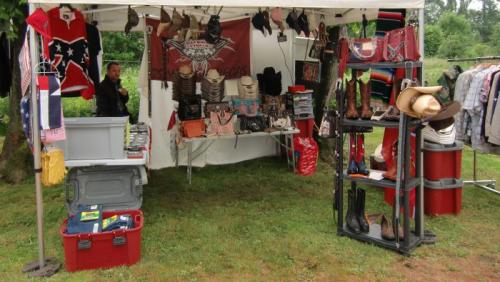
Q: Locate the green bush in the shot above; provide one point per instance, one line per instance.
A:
(433, 39)
(482, 49)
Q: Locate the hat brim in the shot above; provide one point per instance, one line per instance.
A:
(447, 111)
(406, 96)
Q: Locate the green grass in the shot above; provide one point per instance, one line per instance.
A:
(257, 221)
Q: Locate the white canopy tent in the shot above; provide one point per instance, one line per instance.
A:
(111, 15)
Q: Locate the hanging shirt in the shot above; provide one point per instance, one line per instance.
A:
(94, 41)
(69, 51)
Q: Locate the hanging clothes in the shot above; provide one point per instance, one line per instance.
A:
(94, 40)
(65, 44)
(477, 122)
(5, 71)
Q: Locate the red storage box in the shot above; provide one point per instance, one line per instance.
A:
(296, 88)
(106, 249)
(306, 127)
(389, 198)
(442, 161)
(443, 196)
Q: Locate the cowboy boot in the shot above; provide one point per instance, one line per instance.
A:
(366, 111)
(352, 112)
(360, 154)
(360, 211)
(350, 219)
(387, 230)
(352, 167)
(392, 170)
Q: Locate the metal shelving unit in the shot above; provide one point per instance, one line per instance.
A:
(403, 184)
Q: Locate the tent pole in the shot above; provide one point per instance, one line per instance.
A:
(42, 267)
(36, 147)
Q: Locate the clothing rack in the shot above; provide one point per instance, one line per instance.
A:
(486, 184)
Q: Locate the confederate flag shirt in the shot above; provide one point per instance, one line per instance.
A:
(67, 49)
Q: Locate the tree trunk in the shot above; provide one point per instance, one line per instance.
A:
(16, 158)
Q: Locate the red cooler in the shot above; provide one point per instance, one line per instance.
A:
(443, 196)
(118, 189)
(442, 161)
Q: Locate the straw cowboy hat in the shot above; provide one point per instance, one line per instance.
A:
(185, 71)
(214, 76)
(248, 88)
(419, 102)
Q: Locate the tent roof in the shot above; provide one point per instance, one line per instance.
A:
(112, 16)
(257, 3)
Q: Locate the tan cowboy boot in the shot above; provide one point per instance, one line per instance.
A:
(366, 111)
(352, 112)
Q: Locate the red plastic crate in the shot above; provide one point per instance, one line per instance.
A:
(389, 198)
(443, 196)
(106, 249)
(306, 127)
(442, 161)
(296, 88)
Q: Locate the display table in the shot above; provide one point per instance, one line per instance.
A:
(275, 135)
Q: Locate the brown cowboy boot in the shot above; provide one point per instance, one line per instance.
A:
(352, 112)
(366, 111)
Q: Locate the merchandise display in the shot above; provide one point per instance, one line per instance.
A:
(221, 76)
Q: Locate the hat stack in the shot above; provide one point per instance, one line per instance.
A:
(212, 86)
(248, 88)
(184, 83)
(420, 102)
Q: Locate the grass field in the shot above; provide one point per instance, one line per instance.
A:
(256, 221)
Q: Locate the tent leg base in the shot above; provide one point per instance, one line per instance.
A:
(51, 267)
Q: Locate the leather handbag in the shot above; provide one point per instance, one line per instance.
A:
(320, 42)
(190, 107)
(246, 107)
(327, 126)
(366, 50)
(222, 123)
(253, 124)
(273, 104)
(193, 128)
(401, 45)
(217, 107)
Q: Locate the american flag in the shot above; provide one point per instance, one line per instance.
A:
(25, 65)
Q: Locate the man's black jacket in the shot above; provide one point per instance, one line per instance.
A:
(110, 103)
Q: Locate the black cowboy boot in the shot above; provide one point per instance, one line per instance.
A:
(360, 211)
(350, 218)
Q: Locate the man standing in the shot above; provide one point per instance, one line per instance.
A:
(111, 96)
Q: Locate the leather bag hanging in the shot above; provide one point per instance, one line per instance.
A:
(216, 107)
(193, 128)
(366, 50)
(253, 124)
(401, 45)
(222, 122)
(320, 42)
(190, 107)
